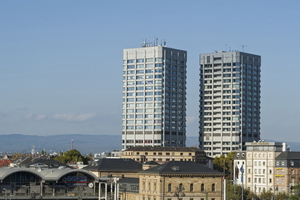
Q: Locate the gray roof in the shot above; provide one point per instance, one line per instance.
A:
(238, 155)
(113, 164)
(129, 180)
(181, 168)
(288, 155)
(44, 174)
(151, 163)
(178, 149)
(51, 163)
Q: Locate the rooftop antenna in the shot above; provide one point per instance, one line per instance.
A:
(160, 42)
(143, 43)
(156, 41)
(165, 42)
(243, 47)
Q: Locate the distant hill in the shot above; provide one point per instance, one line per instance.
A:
(56, 143)
(84, 143)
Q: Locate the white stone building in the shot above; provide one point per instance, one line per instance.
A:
(259, 164)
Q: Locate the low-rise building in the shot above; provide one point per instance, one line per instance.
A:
(34, 183)
(258, 161)
(114, 167)
(287, 171)
(5, 163)
(174, 180)
(166, 154)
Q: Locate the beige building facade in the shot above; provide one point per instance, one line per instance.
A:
(178, 180)
(287, 171)
(166, 154)
(258, 163)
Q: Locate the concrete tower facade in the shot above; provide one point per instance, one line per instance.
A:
(229, 101)
(154, 97)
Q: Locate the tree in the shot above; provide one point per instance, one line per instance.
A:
(266, 195)
(230, 191)
(16, 156)
(281, 196)
(251, 195)
(219, 163)
(71, 156)
(295, 192)
(90, 156)
(43, 152)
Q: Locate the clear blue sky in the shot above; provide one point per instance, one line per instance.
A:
(61, 61)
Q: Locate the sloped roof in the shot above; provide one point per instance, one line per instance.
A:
(51, 163)
(288, 155)
(114, 164)
(180, 168)
(4, 163)
(151, 163)
(178, 149)
(129, 180)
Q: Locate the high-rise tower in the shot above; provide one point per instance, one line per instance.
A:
(229, 101)
(154, 97)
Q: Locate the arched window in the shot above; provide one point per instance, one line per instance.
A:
(191, 187)
(180, 187)
(202, 187)
(213, 187)
(169, 187)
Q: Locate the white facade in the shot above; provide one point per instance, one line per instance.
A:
(154, 97)
(259, 164)
(229, 101)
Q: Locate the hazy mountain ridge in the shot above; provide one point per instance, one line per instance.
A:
(56, 143)
(83, 143)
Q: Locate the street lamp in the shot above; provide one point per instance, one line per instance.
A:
(179, 191)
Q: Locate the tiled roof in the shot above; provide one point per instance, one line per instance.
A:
(4, 163)
(114, 164)
(178, 149)
(182, 167)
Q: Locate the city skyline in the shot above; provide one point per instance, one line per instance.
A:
(58, 59)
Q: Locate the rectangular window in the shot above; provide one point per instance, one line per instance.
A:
(140, 72)
(149, 99)
(149, 66)
(149, 93)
